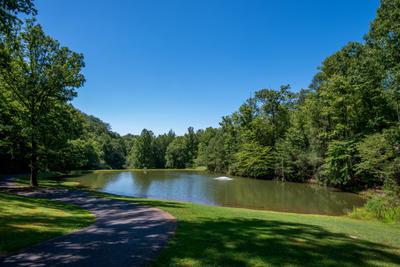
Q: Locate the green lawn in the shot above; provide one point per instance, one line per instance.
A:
(218, 236)
(26, 221)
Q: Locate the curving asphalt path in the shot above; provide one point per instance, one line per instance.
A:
(124, 234)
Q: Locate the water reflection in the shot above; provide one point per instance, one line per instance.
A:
(240, 192)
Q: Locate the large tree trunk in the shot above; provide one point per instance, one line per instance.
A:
(34, 167)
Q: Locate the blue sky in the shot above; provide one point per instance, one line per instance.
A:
(169, 64)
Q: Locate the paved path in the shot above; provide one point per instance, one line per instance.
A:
(124, 234)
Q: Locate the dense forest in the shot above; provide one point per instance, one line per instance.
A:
(344, 130)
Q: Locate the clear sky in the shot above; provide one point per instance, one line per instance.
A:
(170, 64)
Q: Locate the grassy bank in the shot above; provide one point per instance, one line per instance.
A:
(25, 221)
(220, 236)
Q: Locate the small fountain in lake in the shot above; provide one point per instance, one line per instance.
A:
(223, 178)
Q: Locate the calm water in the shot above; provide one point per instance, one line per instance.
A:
(201, 187)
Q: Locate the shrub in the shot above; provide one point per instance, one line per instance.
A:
(384, 208)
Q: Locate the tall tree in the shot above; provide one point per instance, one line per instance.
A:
(162, 142)
(205, 137)
(177, 154)
(275, 105)
(192, 144)
(41, 75)
(142, 154)
(384, 39)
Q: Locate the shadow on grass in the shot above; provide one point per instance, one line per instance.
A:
(18, 228)
(253, 242)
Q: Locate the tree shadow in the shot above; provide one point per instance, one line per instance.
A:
(253, 242)
(19, 229)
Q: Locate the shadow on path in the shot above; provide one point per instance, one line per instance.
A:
(124, 234)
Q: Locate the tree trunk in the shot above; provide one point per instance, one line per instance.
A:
(34, 168)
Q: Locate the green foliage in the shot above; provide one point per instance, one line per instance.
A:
(9, 13)
(294, 163)
(82, 154)
(253, 160)
(275, 105)
(380, 155)
(218, 156)
(162, 151)
(177, 154)
(40, 78)
(93, 146)
(192, 143)
(260, 122)
(142, 154)
(338, 168)
(161, 144)
(111, 147)
(384, 208)
(204, 137)
(9, 21)
(114, 153)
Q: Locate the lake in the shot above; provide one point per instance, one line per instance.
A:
(203, 188)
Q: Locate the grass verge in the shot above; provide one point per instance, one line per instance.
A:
(25, 221)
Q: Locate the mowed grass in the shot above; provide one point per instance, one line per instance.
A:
(25, 221)
(220, 236)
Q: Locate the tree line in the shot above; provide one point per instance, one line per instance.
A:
(344, 130)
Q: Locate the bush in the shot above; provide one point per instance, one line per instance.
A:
(380, 157)
(384, 208)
